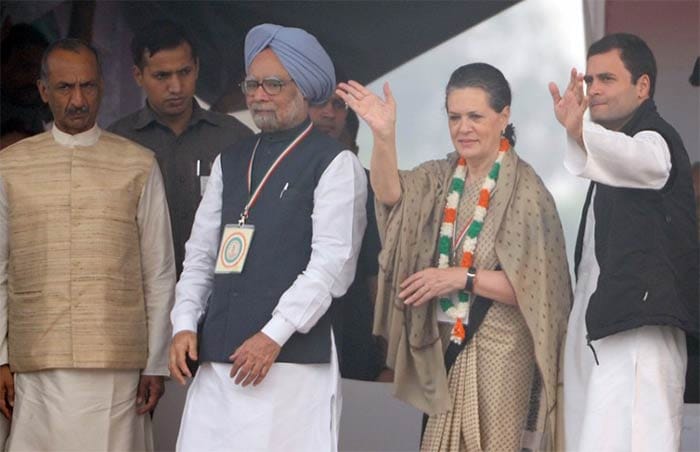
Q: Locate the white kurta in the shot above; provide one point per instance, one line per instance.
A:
(297, 406)
(632, 400)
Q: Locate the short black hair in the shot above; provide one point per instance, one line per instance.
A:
(156, 36)
(71, 44)
(634, 53)
(20, 37)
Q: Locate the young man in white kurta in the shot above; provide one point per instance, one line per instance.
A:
(624, 391)
(590, 390)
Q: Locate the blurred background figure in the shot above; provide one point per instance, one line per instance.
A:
(185, 137)
(12, 131)
(23, 112)
(361, 353)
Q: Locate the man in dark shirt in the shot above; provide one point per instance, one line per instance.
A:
(361, 353)
(184, 137)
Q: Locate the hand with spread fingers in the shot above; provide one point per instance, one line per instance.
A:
(7, 391)
(431, 283)
(378, 113)
(184, 344)
(570, 107)
(253, 359)
(380, 116)
(150, 390)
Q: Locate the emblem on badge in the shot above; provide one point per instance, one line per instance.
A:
(235, 243)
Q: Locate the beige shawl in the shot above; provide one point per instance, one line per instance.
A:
(530, 248)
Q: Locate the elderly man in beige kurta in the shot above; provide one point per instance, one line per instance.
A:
(86, 274)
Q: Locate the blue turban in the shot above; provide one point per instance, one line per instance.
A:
(301, 55)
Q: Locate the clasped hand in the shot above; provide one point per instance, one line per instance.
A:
(253, 359)
(430, 283)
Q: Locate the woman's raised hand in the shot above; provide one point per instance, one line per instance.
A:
(378, 113)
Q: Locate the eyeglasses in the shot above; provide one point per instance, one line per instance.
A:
(336, 103)
(271, 85)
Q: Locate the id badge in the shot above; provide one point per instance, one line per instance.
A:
(235, 243)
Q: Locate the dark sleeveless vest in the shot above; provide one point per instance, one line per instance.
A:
(646, 245)
(241, 304)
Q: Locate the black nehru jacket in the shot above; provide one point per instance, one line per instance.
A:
(241, 304)
(646, 245)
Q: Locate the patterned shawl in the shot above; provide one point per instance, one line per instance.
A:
(530, 248)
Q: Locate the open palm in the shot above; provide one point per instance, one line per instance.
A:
(378, 113)
(570, 106)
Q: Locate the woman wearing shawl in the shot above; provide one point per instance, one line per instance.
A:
(473, 273)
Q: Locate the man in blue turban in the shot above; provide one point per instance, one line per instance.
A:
(301, 55)
(275, 239)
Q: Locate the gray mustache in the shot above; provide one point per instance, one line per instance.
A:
(78, 110)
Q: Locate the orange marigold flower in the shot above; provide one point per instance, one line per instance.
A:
(505, 144)
(450, 215)
(484, 198)
(467, 259)
(458, 330)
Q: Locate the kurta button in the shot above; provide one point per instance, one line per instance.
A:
(668, 218)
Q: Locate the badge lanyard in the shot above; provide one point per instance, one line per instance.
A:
(457, 240)
(255, 195)
(236, 239)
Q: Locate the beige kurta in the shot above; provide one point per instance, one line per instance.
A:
(78, 389)
(529, 246)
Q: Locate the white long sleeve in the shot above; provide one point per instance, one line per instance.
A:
(339, 220)
(157, 269)
(615, 159)
(197, 278)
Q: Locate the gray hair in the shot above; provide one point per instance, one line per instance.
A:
(70, 44)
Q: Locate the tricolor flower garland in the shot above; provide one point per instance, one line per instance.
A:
(447, 229)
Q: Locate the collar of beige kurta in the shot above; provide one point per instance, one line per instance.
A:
(530, 249)
(87, 138)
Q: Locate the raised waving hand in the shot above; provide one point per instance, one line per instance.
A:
(570, 106)
(380, 116)
(378, 113)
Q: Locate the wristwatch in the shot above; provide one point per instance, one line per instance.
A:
(471, 276)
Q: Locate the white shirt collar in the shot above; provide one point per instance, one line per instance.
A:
(87, 138)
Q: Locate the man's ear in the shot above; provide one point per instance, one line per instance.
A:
(41, 86)
(138, 75)
(643, 86)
